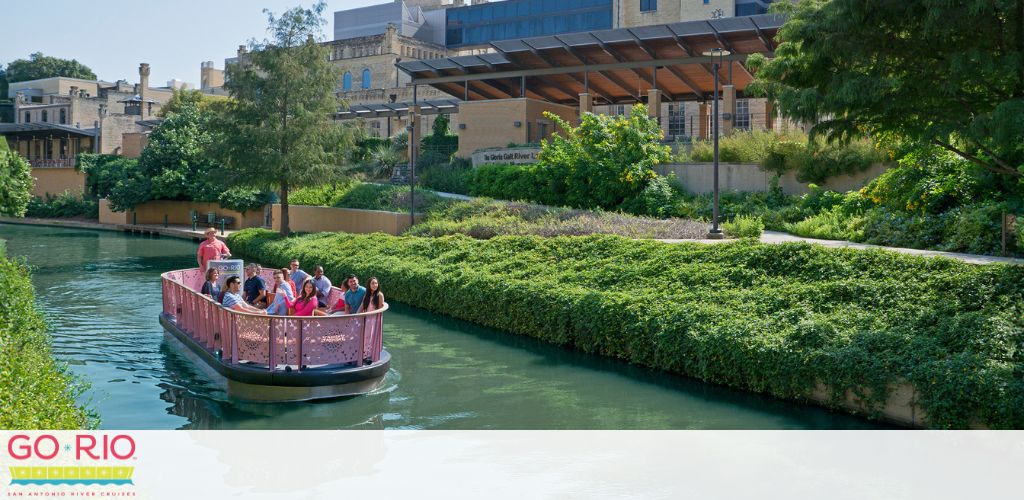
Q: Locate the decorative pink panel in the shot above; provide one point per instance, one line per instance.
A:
(253, 339)
(331, 340)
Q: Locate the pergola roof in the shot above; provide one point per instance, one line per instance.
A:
(616, 66)
(43, 130)
(377, 110)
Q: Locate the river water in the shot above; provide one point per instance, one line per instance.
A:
(101, 294)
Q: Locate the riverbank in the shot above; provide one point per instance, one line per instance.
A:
(797, 321)
(36, 392)
(171, 231)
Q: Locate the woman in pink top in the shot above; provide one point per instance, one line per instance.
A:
(211, 249)
(305, 303)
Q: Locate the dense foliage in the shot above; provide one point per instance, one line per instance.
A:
(935, 72)
(776, 319)
(64, 205)
(484, 218)
(15, 182)
(809, 160)
(453, 177)
(35, 391)
(364, 196)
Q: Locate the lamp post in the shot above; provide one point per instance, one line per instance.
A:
(715, 233)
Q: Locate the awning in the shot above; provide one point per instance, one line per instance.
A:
(380, 110)
(615, 66)
(43, 130)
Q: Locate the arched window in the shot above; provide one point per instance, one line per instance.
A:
(46, 116)
(366, 78)
(63, 116)
(346, 81)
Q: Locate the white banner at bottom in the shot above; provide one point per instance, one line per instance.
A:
(512, 464)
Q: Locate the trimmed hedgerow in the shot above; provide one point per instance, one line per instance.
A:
(769, 318)
(35, 391)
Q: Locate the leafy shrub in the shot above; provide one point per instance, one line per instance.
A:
(975, 228)
(35, 391)
(744, 226)
(385, 197)
(655, 200)
(928, 181)
(511, 182)
(828, 225)
(776, 319)
(64, 205)
(326, 195)
(482, 218)
(243, 199)
(15, 183)
(454, 177)
(120, 180)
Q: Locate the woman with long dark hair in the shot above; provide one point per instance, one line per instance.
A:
(210, 286)
(305, 303)
(374, 298)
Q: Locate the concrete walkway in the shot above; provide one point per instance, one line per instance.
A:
(776, 237)
(171, 231)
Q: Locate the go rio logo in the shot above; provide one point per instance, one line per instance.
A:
(87, 448)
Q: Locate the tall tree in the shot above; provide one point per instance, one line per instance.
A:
(277, 130)
(40, 66)
(15, 182)
(931, 71)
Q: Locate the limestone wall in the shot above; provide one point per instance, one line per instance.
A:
(496, 123)
(302, 218)
(57, 180)
(178, 213)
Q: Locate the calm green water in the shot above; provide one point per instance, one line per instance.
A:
(101, 293)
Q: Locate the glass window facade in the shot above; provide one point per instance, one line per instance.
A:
(742, 114)
(483, 23)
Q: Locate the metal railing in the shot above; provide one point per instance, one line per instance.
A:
(280, 343)
(52, 163)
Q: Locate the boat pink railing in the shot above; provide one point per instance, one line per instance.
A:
(278, 342)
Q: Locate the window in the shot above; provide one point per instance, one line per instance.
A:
(742, 120)
(366, 78)
(707, 2)
(346, 81)
(28, 117)
(64, 149)
(63, 116)
(676, 120)
(651, 5)
(46, 116)
(48, 151)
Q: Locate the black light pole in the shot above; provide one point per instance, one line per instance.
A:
(715, 233)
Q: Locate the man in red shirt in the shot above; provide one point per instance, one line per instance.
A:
(211, 249)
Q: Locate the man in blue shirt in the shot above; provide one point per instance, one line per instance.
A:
(323, 286)
(354, 295)
(279, 307)
(298, 275)
(255, 287)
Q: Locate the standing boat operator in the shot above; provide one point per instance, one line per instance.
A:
(211, 249)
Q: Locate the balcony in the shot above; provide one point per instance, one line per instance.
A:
(38, 162)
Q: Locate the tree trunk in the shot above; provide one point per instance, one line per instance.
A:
(285, 229)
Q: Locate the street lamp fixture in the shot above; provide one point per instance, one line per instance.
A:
(715, 233)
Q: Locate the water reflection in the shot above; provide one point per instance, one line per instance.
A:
(101, 293)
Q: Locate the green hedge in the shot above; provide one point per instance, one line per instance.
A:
(769, 318)
(35, 391)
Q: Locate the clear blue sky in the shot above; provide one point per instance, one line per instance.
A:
(113, 36)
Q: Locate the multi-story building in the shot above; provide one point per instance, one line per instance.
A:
(369, 41)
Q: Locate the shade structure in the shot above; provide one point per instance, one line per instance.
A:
(391, 109)
(614, 66)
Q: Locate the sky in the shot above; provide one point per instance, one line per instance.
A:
(113, 36)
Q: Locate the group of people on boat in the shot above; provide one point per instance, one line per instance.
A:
(293, 292)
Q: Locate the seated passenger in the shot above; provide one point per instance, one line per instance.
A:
(210, 286)
(305, 304)
(323, 286)
(233, 300)
(288, 279)
(255, 287)
(374, 298)
(298, 276)
(353, 298)
(282, 293)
